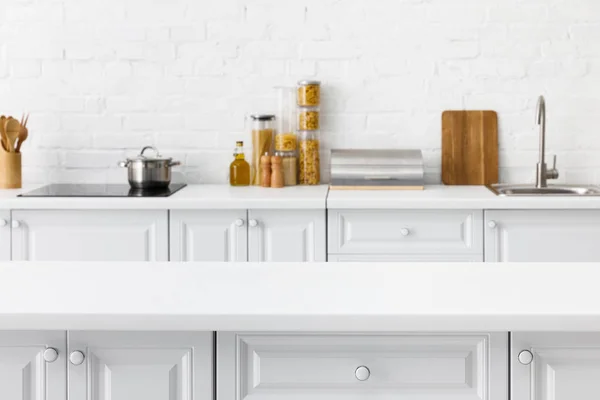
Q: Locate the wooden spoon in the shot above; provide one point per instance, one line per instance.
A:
(23, 132)
(3, 136)
(12, 127)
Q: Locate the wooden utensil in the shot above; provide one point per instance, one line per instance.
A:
(12, 127)
(23, 132)
(3, 138)
(469, 147)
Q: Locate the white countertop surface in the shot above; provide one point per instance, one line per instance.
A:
(355, 297)
(190, 197)
(304, 197)
(451, 197)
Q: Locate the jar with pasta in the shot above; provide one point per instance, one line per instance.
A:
(309, 93)
(290, 167)
(308, 119)
(263, 130)
(309, 172)
(285, 140)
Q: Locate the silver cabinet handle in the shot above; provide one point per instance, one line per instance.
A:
(404, 232)
(76, 357)
(492, 224)
(362, 373)
(50, 355)
(525, 357)
(253, 223)
(16, 224)
(239, 222)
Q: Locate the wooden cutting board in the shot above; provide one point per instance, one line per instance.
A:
(469, 147)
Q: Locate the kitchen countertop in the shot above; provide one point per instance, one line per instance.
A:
(298, 297)
(304, 197)
(191, 197)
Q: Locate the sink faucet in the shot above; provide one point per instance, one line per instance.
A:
(542, 173)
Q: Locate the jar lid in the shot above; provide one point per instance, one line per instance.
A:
(308, 82)
(262, 117)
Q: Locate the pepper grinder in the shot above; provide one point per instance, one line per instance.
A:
(277, 174)
(265, 168)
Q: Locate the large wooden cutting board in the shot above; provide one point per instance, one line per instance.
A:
(469, 147)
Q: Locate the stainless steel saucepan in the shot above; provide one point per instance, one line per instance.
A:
(147, 172)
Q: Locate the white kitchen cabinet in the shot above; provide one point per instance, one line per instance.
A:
(405, 258)
(140, 365)
(211, 235)
(33, 365)
(90, 235)
(557, 366)
(5, 235)
(418, 233)
(286, 235)
(542, 235)
(270, 366)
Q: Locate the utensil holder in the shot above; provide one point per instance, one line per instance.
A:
(10, 170)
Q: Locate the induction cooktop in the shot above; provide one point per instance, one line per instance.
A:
(100, 190)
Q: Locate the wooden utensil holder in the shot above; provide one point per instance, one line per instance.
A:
(10, 170)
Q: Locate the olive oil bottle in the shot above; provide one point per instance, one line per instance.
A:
(239, 170)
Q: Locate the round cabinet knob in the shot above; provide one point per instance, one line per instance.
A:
(362, 373)
(492, 224)
(16, 224)
(239, 222)
(253, 223)
(77, 357)
(50, 354)
(3, 222)
(404, 232)
(525, 357)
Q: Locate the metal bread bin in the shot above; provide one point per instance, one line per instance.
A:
(377, 170)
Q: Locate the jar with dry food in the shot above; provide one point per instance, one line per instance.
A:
(308, 119)
(285, 139)
(309, 93)
(290, 167)
(263, 130)
(309, 172)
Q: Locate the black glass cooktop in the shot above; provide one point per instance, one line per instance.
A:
(99, 190)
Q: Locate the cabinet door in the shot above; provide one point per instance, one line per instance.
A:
(29, 368)
(557, 366)
(286, 235)
(211, 235)
(95, 235)
(542, 235)
(4, 235)
(278, 366)
(405, 258)
(140, 365)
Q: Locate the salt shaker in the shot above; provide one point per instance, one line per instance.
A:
(277, 172)
(265, 169)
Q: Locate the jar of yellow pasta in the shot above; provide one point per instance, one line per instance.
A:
(286, 141)
(309, 93)
(308, 119)
(309, 168)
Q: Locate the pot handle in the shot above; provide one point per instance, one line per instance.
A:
(150, 148)
(123, 164)
(174, 163)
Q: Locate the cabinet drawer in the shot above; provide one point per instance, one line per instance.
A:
(406, 231)
(322, 366)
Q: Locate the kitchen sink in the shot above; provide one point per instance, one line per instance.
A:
(550, 190)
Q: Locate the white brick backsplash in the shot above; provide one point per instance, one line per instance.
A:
(103, 78)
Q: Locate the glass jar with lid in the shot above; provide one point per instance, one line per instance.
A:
(262, 131)
(309, 168)
(285, 139)
(309, 93)
(290, 167)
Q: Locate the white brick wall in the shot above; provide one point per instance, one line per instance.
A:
(102, 78)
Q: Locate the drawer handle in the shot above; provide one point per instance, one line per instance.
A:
(404, 232)
(77, 357)
(50, 355)
(492, 224)
(362, 373)
(525, 357)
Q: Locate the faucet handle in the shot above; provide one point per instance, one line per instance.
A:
(553, 172)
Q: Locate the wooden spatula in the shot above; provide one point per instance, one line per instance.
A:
(13, 127)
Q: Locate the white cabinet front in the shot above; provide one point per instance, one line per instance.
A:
(140, 365)
(212, 235)
(99, 235)
(321, 366)
(5, 235)
(33, 365)
(286, 235)
(542, 236)
(555, 366)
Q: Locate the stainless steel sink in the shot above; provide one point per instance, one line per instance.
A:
(550, 190)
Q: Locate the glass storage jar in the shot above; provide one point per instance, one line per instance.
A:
(309, 93)
(309, 172)
(263, 129)
(290, 167)
(308, 119)
(285, 139)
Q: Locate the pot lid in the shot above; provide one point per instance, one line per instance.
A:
(143, 156)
